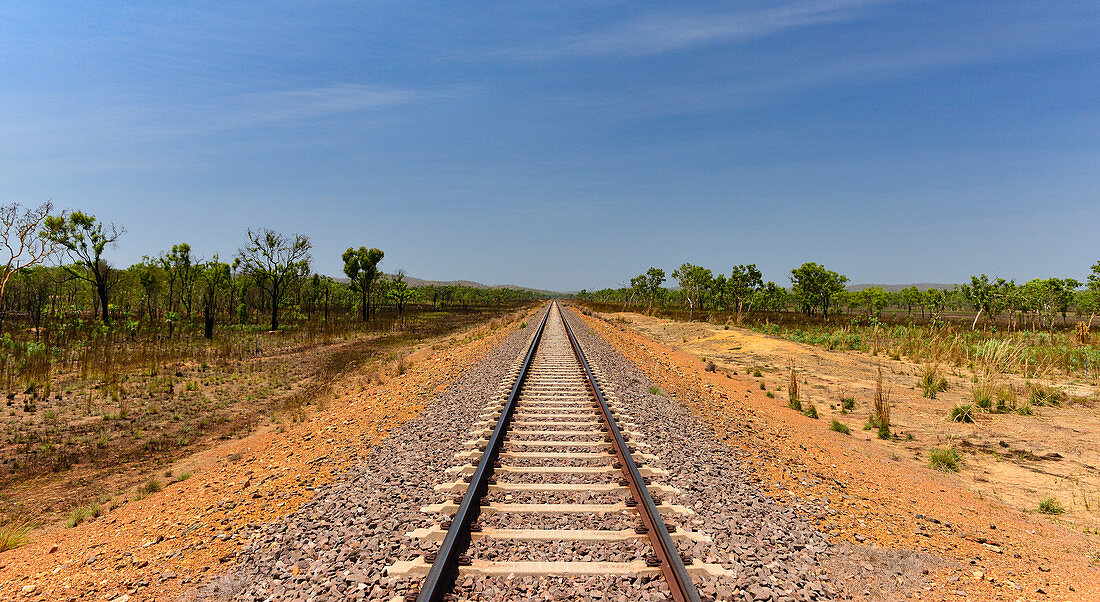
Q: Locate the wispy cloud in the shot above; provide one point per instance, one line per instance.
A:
(657, 34)
(309, 103)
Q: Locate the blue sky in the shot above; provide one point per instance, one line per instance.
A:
(572, 145)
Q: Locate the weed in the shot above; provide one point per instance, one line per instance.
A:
(792, 387)
(655, 391)
(83, 513)
(756, 374)
(150, 487)
(523, 324)
(961, 413)
(931, 381)
(763, 386)
(944, 459)
(795, 404)
(14, 534)
(183, 476)
(1025, 409)
(810, 411)
(840, 427)
(1049, 505)
(769, 395)
(882, 407)
(1045, 396)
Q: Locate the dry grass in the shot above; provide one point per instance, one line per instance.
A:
(881, 414)
(15, 534)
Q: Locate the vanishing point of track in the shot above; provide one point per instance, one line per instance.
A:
(555, 405)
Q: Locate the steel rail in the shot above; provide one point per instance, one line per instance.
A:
(672, 565)
(441, 577)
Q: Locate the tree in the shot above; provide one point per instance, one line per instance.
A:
(743, 283)
(1094, 287)
(361, 266)
(815, 286)
(214, 277)
(25, 245)
(694, 281)
(84, 238)
(274, 261)
(400, 291)
(873, 299)
(182, 272)
(910, 296)
(985, 296)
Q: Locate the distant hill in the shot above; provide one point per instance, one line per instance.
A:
(897, 287)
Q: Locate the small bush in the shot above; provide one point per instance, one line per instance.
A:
(655, 391)
(840, 427)
(810, 411)
(848, 403)
(769, 395)
(523, 324)
(1051, 506)
(15, 534)
(1045, 396)
(756, 374)
(763, 387)
(946, 459)
(961, 413)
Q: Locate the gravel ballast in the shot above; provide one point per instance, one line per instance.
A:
(337, 545)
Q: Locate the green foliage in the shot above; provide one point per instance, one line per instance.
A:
(795, 404)
(944, 459)
(840, 427)
(810, 411)
(769, 395)
(655, 391)
(814, 287)
(847, 404)
(1049, 505)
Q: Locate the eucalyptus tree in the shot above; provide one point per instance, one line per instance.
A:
(694, 281)
(815, 286)
(182, 272)
(214, 279)
(25, 245)
(273, 261)
(400, 291)
(743, 284)
(361, 266)
(986, 296)
(84, 238)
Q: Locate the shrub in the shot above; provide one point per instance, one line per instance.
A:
(756, 374)
(769, 395)
(961, 413)
(931, 381)
(810, 411)
(840, 427)
(14, 534)
(945, 459)
(1051, 506)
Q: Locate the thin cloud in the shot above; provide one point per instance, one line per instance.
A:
(326, 101)
(658, 34)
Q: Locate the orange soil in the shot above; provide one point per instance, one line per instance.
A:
(172, 540)
(992, 551)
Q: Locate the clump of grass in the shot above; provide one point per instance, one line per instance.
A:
(769, 395)
(945, 459)
(931, 381)
(882, 407)
(150, 487)
(847, 404)
(1049, 505)
(962, 413)
(839, 427)
(183, 476)
(523, 324)
(1025, 409)
(15, 534)
(1045, 396)
(795, 404)
(763, 386)
(83, 513)
(655, 391)
(810, 411)
(756, 374)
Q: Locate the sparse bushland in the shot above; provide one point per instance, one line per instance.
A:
(944, 459)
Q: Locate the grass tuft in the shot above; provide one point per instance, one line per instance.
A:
(931, 381)
(840, 427)
(962, 413)
(15, 534)
(945, 459)
(1049, 505)
(655, 391)
(810, 411)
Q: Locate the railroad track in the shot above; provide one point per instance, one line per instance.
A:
(552, 433)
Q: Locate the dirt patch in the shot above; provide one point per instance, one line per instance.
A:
(886, 497)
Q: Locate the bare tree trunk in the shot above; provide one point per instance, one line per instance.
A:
(975, 324)
(208, 322)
